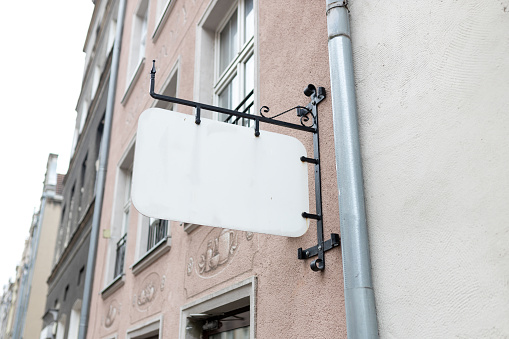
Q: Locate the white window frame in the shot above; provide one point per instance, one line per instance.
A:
(146, 328)
(139, 40)
(121, 202)
(164, 8)
(236, 65)
(229, 295)
(205, 78)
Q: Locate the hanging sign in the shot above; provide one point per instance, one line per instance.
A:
(219, 174)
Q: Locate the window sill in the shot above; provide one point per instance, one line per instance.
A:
(188, 227)
(135, 77)
(162, 19)
(118, 282)
(152, 255)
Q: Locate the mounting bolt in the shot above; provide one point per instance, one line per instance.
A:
(307, 253)
(319, 248)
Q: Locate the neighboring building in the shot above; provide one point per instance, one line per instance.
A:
(7, 310)
(66, 281)
(35, 265)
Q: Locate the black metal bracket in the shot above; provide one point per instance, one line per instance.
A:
(305, 113)
(316, 95)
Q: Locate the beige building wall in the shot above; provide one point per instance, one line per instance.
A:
(42, 268)
(432, 84)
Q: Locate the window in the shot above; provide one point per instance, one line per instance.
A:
(80, 275)
(61, 327)
(157, 231)
(83, 115)
(225, 58)
(226, 314)
(61, 237)
(162, 13)
(169, 89)
(69, 219)
(234, 85)
(74, 320)
(138, 39)
(121, 244)
(82, 201)
(98, 142)
(154, 240)
(148, 330)
(121, 218)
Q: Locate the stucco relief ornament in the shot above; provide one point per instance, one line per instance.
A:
(163, 281)
(110, 317)
(249, 236)
(219, 251)
(147, 294)
(190, 266)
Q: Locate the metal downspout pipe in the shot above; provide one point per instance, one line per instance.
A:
(361, 321)
(101, 175)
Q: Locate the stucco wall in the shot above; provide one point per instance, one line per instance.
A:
(42, 268)
(432, 86)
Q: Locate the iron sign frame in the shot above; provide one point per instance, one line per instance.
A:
(317, 95)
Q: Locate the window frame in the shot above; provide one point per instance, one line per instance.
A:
(137, 49)
(229, 296)
(236, 67)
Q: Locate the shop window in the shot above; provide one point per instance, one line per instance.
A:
(148, 330)
(226, 314)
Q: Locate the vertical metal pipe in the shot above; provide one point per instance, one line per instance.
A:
(360, 309)
(101, 175)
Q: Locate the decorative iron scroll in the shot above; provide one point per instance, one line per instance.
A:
(302, 112)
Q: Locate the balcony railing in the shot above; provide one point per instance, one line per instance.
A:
(157, 231)
(244, 107)
(120, 257)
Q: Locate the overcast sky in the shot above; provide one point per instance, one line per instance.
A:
(41, 64)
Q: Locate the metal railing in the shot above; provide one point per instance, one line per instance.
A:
(120, 257)
(247, 109)
(157, 231)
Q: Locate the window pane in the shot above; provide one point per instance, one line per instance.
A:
(248, 20)
(143, 35)
(228, 43)
(249, 75)
(229, 98)
(125, 222)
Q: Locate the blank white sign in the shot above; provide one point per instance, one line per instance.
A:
(218, 174)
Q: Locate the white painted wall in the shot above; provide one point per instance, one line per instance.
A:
(433, 97)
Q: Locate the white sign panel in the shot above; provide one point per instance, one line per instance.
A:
(218, 174)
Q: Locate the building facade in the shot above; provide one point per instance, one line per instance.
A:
(431, 80)
(27, 295)
(169, 279)
(66, 282)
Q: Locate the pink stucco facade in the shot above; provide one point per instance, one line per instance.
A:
(286, 298)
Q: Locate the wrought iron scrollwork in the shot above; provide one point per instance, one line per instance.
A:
(302, 112)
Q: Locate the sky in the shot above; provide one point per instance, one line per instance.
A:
(41, 69)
